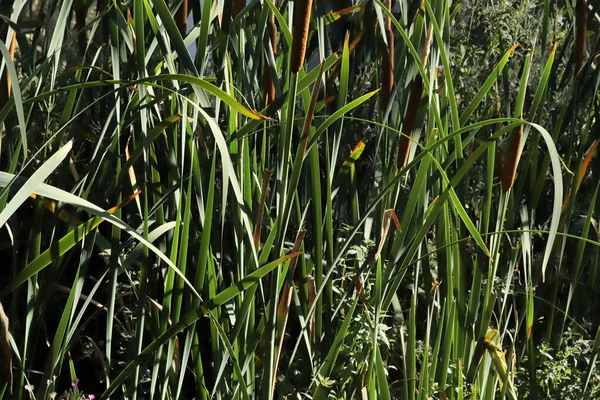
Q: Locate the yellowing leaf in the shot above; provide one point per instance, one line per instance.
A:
(354, 156)
(494, 348)
(335, 15)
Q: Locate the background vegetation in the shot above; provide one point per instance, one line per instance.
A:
(295, 199)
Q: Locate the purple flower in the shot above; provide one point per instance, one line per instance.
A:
(75, 384)
(91, 397)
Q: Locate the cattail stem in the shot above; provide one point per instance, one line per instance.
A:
(302, 11)
(511, 161)
(582, 9)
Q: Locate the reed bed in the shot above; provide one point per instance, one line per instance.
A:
(298, 199)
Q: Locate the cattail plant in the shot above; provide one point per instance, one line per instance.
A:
(192, 284)
(268, 86)
(511, 160)
(410, 119)
(302, 11)
(581, 21)
(387, 63)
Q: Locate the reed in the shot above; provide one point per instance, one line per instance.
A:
(199, 280)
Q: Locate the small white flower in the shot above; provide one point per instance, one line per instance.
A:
(29, 387)
(53, 395)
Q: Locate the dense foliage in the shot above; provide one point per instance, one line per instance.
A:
(299, 199)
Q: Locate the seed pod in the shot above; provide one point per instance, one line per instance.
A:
(387, 71)
(582, 9)
(268, 86)
(181, 17)
(238, 6)
(511, 161)
(302, 11)
(427, 46)
(410, 119)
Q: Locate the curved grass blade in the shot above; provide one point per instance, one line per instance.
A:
(558, 194)
(201, 83)
(66, 197)
(34, 181)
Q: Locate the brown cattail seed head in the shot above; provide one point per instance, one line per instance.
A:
(302, 11)
(387, 71)
(410, 119)
(511, 161)
(181, 17)
(582, 9)
(268, 86)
